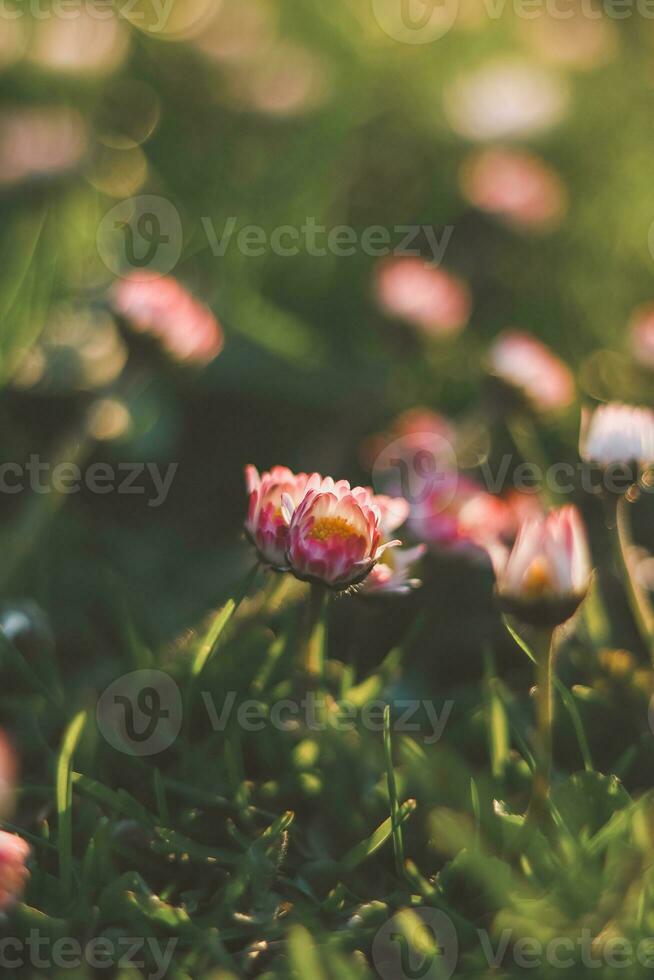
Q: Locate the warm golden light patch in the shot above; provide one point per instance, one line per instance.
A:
(329, 527)
(538, 578)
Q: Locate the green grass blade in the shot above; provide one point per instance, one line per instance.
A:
(362, 851)
(398, 836)
(64, 791)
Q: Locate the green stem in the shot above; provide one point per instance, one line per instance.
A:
(524, 436)
(398, 834)
(314, 646)
(544, 651)
(638, 601)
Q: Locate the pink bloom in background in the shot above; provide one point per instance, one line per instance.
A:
(40, 141)
(414, 431)
(576, 41)
(429, 298)
(459, 517)
(393, 511)
(160, 306)
(390, 576)
(520, 507)
(14, 852)
(515, 185)
(266, 525)
(550, 563)
(335, 534)
(641, 332)
(524, 363)
(617, 434)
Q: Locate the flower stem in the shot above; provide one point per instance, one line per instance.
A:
(314, 647)
(640, 605)
(544, 651)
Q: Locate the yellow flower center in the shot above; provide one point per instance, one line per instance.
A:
(538, 578)
(329, 527)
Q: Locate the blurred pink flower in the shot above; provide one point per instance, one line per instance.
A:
(423, 295)
(412, 431)
(39, 142)
(575, 41)
(283, 79)
(390, 576)
(160, 306)
(334, 535)
(515, 185)
(641, 332)
(240, 30)
(460, 517)
(523, 362)
(520, 507)
(548, 571)
(82, 44)
(393, 512)
(14, 852)
(266, 525)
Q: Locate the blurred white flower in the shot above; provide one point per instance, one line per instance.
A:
(617, 434)
(504, 99)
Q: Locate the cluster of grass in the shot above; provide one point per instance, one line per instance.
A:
(283, 844)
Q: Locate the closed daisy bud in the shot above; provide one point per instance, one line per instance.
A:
(617, 434)
(266, 526)
(547, 573)
(14, 852)
(334, 535)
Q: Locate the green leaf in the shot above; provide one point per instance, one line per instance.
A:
(372, 844)
(305, 961)
(64, 793)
